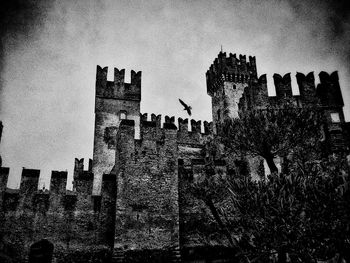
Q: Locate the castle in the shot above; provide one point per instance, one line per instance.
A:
(130, 203)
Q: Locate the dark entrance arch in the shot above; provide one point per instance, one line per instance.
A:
(41, 252)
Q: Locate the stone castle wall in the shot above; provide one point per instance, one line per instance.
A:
(148, 182)
(138, 207)
(73, 221)
(134, 196)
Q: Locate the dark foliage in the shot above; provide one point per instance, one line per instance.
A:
(299, 215)
(303, 214)
(274, 132)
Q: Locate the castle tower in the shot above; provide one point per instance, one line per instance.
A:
(114, 101)
(226, 79)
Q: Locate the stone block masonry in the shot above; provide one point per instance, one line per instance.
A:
(132, 204)
(71, 220)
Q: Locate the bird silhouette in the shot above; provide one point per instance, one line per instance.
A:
(187, 108)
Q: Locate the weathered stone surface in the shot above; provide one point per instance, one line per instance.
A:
(133, 203)
(67, 220)
(147, 185)
(114, 101)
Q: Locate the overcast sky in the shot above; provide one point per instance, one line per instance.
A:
(50, 49)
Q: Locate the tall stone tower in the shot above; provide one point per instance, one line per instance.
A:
(115, 100)
(226, 79)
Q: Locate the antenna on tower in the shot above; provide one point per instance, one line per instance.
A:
(221, 48)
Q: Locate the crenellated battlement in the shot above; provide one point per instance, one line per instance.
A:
(283, 85)
(183, 125)
(230, 68)
(184, 132)
(247, 90)
(307, 89)
(169, 123)
(118, 89)
(254, 94)
(327, 93)
(29, 196)
(79, 167)
(154, 122)
(283, 88)
(29, 183)
(83, 179)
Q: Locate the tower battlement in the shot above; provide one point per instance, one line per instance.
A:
(328, 90)
(307, 89)
(183, 125)
(230, 68)
(118, 89)
(327, 93)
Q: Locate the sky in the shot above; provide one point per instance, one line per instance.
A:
(49, 52)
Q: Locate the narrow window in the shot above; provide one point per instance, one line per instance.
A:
(335, 117)
(219, 115)
(122, 115)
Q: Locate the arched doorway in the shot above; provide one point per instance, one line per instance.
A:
(41, 252)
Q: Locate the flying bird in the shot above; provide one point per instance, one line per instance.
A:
(187, 108)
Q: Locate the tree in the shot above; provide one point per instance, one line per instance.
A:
(213, 190)
(301, 214)
(273, 132)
